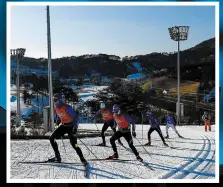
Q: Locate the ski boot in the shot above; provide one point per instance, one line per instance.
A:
(167, 137)
(180, 136)
(114, 156)
(139, 158)
(102, 144)
(57, 158)
(148, 144)
(84, 161)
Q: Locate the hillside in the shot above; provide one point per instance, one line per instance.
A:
(202, 55)
(171, 84)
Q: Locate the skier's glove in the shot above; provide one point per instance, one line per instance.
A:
(56, 125)
(133, 133)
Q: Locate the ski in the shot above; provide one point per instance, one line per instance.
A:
(182, 137)
(47, 162)
(171, 147)
(159, 146)
(147, 145)
(122, 160)
(106, 159)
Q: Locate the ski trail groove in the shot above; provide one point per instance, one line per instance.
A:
(180, 168)
(207, 165)
(196, 163)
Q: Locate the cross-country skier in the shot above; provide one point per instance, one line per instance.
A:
(170, 121)
(108, 122)
(207, 121)
(124, 130)
(154, 126)
(67, 122)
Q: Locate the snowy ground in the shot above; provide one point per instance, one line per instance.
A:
(190, 158)
(27, 109)
(89, 92)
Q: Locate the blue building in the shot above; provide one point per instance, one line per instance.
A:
(135, 76)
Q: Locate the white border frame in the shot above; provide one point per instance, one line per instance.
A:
(216, 4)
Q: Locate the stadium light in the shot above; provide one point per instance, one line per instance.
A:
(17, 55)
(178, 33)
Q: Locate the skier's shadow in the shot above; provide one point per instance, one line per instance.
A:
(107, 172)
(173, 147)
(89, 172)
(90, 169)
(60, 165)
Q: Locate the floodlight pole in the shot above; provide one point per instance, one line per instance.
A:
(178, 80)
(178, 33)
(50, 70)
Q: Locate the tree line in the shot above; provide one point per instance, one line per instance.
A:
(201, 55)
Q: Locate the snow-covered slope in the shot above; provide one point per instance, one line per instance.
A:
(190, 158)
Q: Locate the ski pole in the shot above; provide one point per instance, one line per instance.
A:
(166, 138)
(87, 148)
(169, 143)
(96, 126)
(143, 147)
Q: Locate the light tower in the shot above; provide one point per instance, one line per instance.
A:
(178, 33)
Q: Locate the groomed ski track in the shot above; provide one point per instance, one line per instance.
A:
(190, 158)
